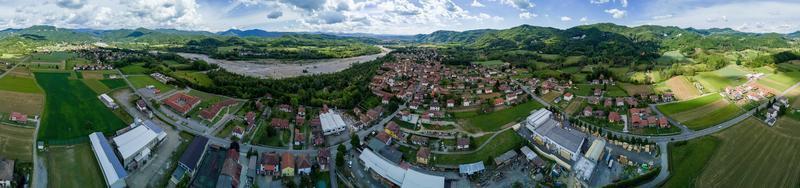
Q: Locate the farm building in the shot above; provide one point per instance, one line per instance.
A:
(332, 123)
(108, 101)
(113, 172)
(394, 175)
(548, 133)
(190, 158)
(182, 103)
(134, 146)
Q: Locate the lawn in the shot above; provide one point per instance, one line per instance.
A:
(137, 68)
(780, 81)
(584, 89)
(198, 78)
(715, 117)
(687, 160)
(72, 109)
(763, 156)
(16, 142)
(280, 138)
(12, 82)
(495, 120)
(501, 143)
(73, 166)
(143, 81)
(673, 108)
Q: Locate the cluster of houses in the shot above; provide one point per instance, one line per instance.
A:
(287, 164)
(368, 118)
(162, 78)
(328, 122)
(93, 67)
(431, 87)
(746, 92)
(392, 133)
(772, 111)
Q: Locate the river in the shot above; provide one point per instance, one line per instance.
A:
(274, 68)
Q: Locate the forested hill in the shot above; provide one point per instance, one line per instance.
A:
(666, 38)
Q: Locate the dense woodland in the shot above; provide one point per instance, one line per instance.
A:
(284, 47)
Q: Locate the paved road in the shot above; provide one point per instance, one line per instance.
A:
(664, 172)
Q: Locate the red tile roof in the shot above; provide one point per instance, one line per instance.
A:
(18, 117)
(212, 111)
(280, 123)
(287, 161)
(182, 102)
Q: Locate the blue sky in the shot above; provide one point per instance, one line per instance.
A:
(398, 16)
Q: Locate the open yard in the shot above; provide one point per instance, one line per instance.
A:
(687, 160)
(507, 140)
(763, 156)
(495, 120)
(16, 142)
(682, 88)
(72, 109)
(142, 81)
(72, 166)
(27, 103)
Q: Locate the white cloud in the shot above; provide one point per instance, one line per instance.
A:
(71, 4)
(624, 3)
(757, 16)
(565, 18)
(519, 4)
(527, 15)
(616, 13)
(583, 19)
(475, 3)
(484, 16)
(659, 17)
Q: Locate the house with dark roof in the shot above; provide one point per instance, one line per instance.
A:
(323, 159)
(423, 154)
(193, 153)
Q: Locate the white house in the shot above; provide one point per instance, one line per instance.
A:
(332, 123)
(108, 101)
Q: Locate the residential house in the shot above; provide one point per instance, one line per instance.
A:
(587, 111)
(384, 138)
(423, 154)
(614, 117)
(303, 165)
(393, 130)
(323, 159)
(182, 103)
(250, 118)
(451, 103)
(270, 164)
(419, 140)
(279, 123)
(287, 164)
(285, 108)
(18, 117)
(462, 143)
(237, 132)
(568, 96)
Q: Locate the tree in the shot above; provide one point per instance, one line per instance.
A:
(354, 141)
(184, 183)
(340, 155)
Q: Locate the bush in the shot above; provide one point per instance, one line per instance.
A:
(637, 180)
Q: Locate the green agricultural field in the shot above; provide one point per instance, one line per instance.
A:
(495, 120)
(114, 83)
(714, 117)
(489, 63)
(673, 108)
(198, 78)
(52, 57)
(72, 109)
(763, 156)
(780, 81)
(688, 159)
(507, 140)
(96, 86)
(72, 166)
(137, 68)
(71, 63)
(11, 82)
(16, 142)
(142, 81)
(717, 80)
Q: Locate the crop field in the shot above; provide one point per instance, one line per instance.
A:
(688, 158)
(17, 80)
(780, 81)
(495, 120)
(52, 57)
(73, 166)
(682, 88)
(714, 117)
(96, 86)
(674, 108)
(145, 80)
(103, 74)
(27, 103)
(763, 156)
(71, 63)
(632, 89)
(501, 143)
(719, 79)
(114, 83)
(72, 109)
(198, 78)
(700, 111)
(16, 142)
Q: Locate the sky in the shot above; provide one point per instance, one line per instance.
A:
(403, 17)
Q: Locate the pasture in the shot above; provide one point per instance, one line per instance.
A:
(73, 166)
(780, 81)
(16, 142)
(763, 156)
(677, 107)
(27, 103)
(493, 121)
(504, 141)
(682, 88)
(142, 81)
(71, 63)
(72, 109)
(18, 81)
(688, 158)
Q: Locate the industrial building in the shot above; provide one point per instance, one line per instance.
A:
(113, 172)
(135, 145)
(547, 132)
(332, 123)
(396, 175)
